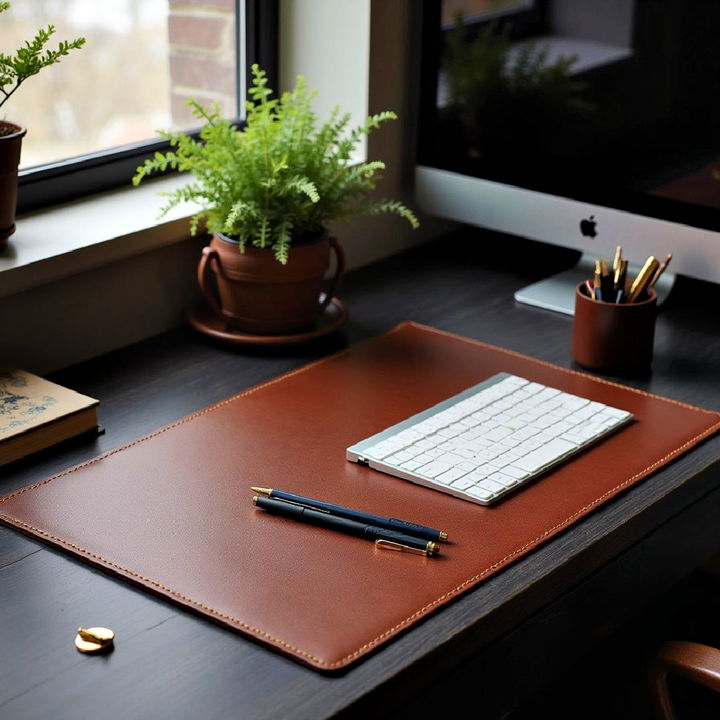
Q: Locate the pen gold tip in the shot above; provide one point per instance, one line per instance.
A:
(443, 536)
(255, 499)
(433, 548)
(262, 491)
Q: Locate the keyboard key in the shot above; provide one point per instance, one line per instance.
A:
(424, 458)
(451, 445)
(544, 421)
(548, 392)
(412, 465)
(480, 493)
(498, 433)
(534, 442)
(451, 458)
(424, 444)
(525, 432)
(469, 421)
(480, 474)
(463, 483)
(533, 388)
(491, 486)
(515, 472)
(514, 423)
(447, 477)
(507, 458)
(559, 428)
(381, 451)
(615, 412)
(543, 456)
(502, 479)
(399, 458)
(434, 468)
(510, 442)
(408, 436)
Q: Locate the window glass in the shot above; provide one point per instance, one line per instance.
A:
(142, 60)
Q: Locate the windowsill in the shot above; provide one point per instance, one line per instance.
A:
(61, 241)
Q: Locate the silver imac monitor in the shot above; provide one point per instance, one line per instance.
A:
(582, 123)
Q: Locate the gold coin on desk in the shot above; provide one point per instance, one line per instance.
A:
(94, 639)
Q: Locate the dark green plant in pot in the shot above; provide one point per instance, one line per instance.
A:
(280, 179)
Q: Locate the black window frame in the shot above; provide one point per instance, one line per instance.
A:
(70, 179)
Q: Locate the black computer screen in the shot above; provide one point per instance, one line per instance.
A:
(615, 102)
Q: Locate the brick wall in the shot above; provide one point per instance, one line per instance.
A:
(202, 56)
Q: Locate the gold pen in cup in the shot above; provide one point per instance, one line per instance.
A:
(642, 281)
(606, 282)
(619, 280)
(597, 281)
(661, 270)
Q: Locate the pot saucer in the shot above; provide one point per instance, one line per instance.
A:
(208, 323)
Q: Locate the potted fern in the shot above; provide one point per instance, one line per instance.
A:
(266, 193)
(25, 62)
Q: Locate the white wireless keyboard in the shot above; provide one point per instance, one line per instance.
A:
(489, 440)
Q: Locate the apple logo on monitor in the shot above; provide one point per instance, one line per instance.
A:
(588, 227)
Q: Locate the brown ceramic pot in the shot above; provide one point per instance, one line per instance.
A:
(11, 136)
(255, 293)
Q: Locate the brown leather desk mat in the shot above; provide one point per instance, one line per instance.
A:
(172, 512)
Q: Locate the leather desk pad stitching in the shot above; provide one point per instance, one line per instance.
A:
(268, 637)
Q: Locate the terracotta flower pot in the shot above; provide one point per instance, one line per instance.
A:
(10, 143)
(257, 294)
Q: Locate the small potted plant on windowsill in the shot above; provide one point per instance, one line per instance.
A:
(25, 62)
(266, 193)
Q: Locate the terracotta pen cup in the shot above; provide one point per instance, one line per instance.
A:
(614, 337)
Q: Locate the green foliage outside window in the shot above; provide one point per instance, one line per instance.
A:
(31, 58)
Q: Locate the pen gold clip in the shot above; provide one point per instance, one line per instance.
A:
(398, 547)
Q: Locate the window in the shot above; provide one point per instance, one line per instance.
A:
(92, 119)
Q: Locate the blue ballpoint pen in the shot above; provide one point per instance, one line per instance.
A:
(383, 538)
(344, 512)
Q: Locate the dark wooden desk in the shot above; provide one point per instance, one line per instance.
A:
(495, 645)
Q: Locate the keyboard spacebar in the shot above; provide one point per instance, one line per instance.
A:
(544, 456)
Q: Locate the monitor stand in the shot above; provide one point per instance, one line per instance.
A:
(558, 291)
